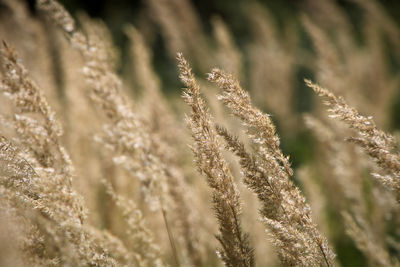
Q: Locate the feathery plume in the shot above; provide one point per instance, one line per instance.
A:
(125, 135)
(347, 171)
(236, 250)
(38, 128)
(376, 143)
(268, 174)
(39, 181)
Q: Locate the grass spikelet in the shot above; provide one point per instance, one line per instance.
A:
(236, 250)
(268, 174)
(376, 143)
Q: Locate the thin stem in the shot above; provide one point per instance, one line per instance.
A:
(170, 237)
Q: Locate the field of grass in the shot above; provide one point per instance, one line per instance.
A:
(186, 138)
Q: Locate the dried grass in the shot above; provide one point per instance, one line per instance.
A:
(92, 174)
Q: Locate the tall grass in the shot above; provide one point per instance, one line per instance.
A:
(98, 169)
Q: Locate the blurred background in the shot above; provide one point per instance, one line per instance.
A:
(351, 47)
(282, 30)
(271, 46)
(236, 15)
